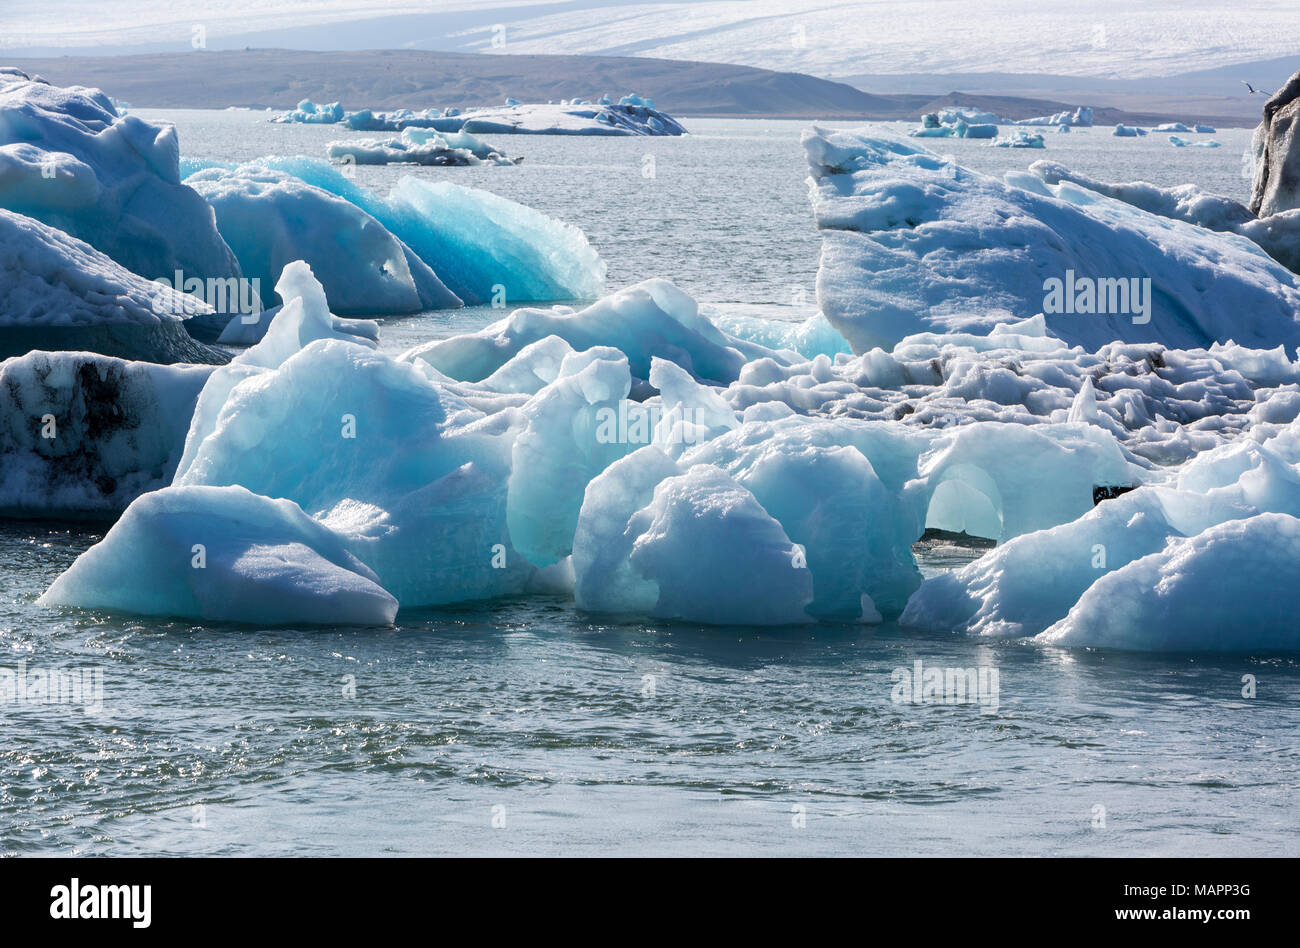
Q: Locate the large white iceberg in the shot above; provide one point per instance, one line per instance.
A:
(570, 118)
(913, 241)
(68, 159)
(57, 292)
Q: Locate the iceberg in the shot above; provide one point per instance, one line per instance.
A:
(913, 241)
(1128, 131)
(309, 113)
(1080, 118)
(1231, 588)
(223, 554)
(59, 293)
(270, 218)
(69, 160)
(482, 247)
(1184, 143)
(651, 319)
(573, 118)
(1019, 140)
(417, 147)
(84, 435)
(952, 124)
(638, 458)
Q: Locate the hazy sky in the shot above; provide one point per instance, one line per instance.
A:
(835, 38)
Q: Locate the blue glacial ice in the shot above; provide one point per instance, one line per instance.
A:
(484, 248)
(789, 490)
(631, 116)
(650, 319)
(68, 159)
(223, 554)
(309, 113)
(270, 218)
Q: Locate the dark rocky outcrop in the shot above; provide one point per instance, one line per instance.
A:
(1276, 150)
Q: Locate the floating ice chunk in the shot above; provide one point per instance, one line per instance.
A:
(479, 241)
(1080, 117)
(57, 292)
(572, 118)
(483, 247)
(366, 120)
(913, 242)
(68, 159)
(1128, 131)
(1025, 585)
(85, 434)
(410, 476)
(651, 319)
(1171, 127)
(1019, 140)
(309, 113)
(270, 218)
(418, 147)
(716, 556)
(223, 554)
(854, 531)
(568, 441)
(605, 579)
(1229, 589)
(1184, 143)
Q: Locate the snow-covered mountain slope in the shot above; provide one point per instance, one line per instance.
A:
(1108, 38)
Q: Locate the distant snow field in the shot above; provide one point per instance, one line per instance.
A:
(1107, 39)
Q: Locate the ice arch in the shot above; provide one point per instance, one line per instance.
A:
(966, 500)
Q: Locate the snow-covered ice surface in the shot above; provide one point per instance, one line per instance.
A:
(57, 292)
(69, 159)
(617, 119)
(913, 241)
(417, 147)
(1110, 37)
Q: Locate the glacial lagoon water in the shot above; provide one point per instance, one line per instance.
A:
(528, 727)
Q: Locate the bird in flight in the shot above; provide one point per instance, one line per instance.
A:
(1253, 90)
